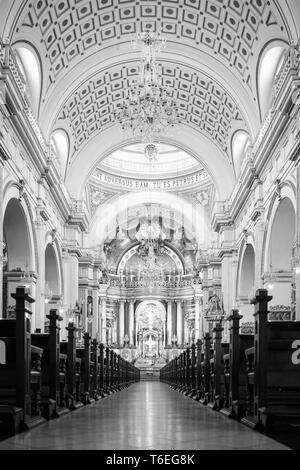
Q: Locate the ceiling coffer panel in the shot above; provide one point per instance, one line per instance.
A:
(203, 103)
(73, 29)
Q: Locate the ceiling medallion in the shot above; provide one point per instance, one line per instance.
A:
(149, 107)
(150, 152)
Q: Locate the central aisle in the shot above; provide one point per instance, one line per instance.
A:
(145, 416)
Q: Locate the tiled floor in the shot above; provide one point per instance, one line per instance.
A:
(147, 415)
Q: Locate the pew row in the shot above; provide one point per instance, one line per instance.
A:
(254, 378)
(42, 377)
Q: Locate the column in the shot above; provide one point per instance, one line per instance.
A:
(179, 322)
(103, 320)
(99, 335)
(83, 294)
(95, 313)
(186, 331)
(115, 332)
(40, 315)
(70, 275)
(198, 327)
(41, 230)
(121, 322)
(131, 322)
(169, 323)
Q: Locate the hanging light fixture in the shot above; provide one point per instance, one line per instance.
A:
(149, 107)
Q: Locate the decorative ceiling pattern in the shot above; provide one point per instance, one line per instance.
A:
(96, 197)
(71, 29)
(203, 103)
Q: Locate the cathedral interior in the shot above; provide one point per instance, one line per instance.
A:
(149, 177)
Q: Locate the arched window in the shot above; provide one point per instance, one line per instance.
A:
(60, 145)
(239, 144)
(52, 278)
(247, 274)
(30, 67)
(269, 65)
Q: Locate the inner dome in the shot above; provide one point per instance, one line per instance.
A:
(131, 161)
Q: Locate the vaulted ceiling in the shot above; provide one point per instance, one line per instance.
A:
(210, 61)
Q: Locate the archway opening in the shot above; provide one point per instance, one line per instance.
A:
(282, 237)
(17, 252)
(279, 280)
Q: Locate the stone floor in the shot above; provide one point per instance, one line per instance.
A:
(146, 416)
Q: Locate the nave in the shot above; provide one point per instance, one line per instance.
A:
(149, 197)
(147, 415)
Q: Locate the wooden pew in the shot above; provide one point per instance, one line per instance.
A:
(192, 392)
(206, 356)
(198, 371)
(20, 371)
(217, 385)
(102, 377)
(235, 370)
(73, 382)
(108, 372)
(95, 385)
(85, 370)
(273, 372)
(53, 371)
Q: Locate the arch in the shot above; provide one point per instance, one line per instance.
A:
(17, 237)
(247, 272)
(215, 162)
(281, 237)
(12, 190)
(52, 271)
(279, 242)
(30, 65)
(268, 65)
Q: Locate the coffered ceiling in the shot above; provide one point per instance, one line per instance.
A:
(210, 61)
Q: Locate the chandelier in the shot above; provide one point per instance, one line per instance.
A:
(151, 239)
(149, 107)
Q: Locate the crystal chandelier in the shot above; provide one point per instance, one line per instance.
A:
(149, 108)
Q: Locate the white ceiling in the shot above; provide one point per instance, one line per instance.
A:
(211, 62)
